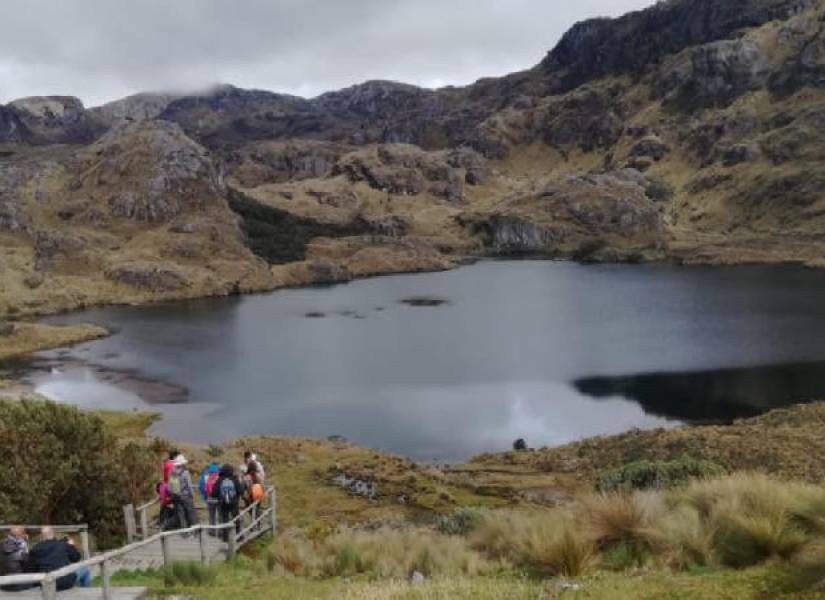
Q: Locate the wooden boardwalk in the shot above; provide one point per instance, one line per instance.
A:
(128, 593)
(202, 544)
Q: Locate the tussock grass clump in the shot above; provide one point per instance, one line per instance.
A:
(385, 553)
(550, 542)
(751, 517)
(737, 521)
(683, 539)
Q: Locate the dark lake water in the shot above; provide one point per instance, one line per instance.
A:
(547, 351)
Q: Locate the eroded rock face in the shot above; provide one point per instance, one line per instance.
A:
(571, 213)
(510, 234)
(803, 39)
(148, 277)
(713, 75)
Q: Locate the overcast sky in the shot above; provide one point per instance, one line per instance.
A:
(100, 50)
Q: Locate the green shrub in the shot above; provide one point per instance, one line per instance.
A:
(214, 451)
(461, 522)
(62, 466)
(646, 474)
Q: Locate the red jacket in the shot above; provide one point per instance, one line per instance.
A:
(168, 465)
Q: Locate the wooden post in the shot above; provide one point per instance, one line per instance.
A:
(233, 540)
(144, 524)
(84, 544)
(106, 576)
(202, 544)
(49, 588)
(167, 559)
(273, 516)
(129, 515)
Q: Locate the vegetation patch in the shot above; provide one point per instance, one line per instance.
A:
(646, 474)
(33, 337)
(77, 471)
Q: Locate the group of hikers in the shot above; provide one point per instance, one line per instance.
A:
(222, 489)
(49, 554)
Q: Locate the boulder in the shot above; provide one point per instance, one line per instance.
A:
(12, 217)
(651, 147)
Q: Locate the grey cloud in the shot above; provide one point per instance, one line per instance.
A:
(100, 50)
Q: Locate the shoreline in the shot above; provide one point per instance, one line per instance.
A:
(677, 259)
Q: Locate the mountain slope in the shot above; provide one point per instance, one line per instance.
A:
(686, 132)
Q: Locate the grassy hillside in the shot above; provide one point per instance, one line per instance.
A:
(710, 516)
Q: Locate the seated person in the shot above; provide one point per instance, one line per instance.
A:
(14, 552)
(51, 554)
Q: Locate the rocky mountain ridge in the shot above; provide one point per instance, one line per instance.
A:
(688, 131)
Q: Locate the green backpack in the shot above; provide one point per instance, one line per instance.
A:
(175, 485)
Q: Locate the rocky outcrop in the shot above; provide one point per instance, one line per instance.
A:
(406, 169)
(634, 42)
(278, 162)
(509, 234)
(148, 277)
(713, 75)
(606, 209)
(12, 217)
(148, 172)
(227, 115)
(803, 39)
(138, 107)
(52, 120)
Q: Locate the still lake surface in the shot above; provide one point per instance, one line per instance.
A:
(548, 351)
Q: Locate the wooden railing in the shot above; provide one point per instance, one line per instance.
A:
(263, 520)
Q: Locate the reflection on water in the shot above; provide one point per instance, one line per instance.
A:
(719, 395)
(492, 361)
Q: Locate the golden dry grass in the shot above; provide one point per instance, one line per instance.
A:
(33, 337)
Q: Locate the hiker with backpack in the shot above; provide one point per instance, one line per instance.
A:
(254, 485)
(169, 464)
(167, 519)
(183, 493)
(250, 459)
(209, 478)
(227, 492)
